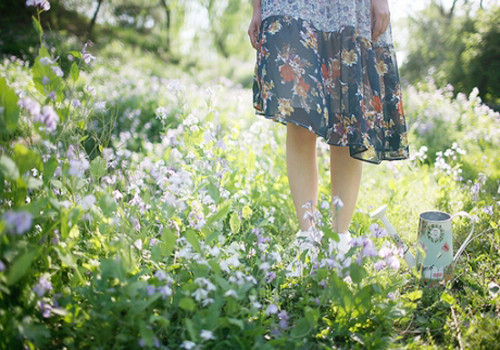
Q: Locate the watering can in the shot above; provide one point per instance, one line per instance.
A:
(436, 240)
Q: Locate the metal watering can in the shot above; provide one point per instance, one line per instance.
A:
(436, 240)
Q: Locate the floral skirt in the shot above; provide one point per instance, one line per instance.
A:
(336, 84)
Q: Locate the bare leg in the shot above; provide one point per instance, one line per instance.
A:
(302, 169)
(345, 175)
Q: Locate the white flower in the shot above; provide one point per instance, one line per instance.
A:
(231, 293)
(271, 309)
(87, 202)
(206, 335)
(57, 71)
(264, 266)
(188, 344)
(78, 167)
(138, 244)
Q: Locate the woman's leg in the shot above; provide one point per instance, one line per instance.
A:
(302, 169)
(345, 176)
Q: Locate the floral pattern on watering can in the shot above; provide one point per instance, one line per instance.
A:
(435, 238)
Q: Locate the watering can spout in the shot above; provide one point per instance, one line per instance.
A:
(380, 214)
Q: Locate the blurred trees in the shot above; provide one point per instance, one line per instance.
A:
(195, 26)
(459, 45)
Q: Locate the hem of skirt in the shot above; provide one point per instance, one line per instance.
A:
(284, 121)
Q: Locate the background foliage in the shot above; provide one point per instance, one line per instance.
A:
(144, 205)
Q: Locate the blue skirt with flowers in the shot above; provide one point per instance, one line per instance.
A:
(337, 84)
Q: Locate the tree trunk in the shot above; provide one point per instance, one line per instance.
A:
(167, 12)
(92, 21)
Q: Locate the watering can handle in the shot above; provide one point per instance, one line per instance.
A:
(469, 237)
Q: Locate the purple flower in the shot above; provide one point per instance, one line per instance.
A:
(30, 105)
(270, 277)
(45, 308)
(44, 4)
(87, 57)
(369, 248)
(337, 202)
(57, 71)
(42, 287)
(379, 265)
(18, 222)
(271, 309)
(2, 266)
(377, 231)
(488, 210)
(283, 316)
(150, 290)
(390, 296)
(393, 262)
(78, 167)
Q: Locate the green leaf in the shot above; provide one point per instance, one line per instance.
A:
(221, 213)
(190, 328)
(9, 111)
(234, 222)
(302, 328)
(8, 168)
(192, 239)
(236, 322)
(357, 273)
(413, 296)
(49, 169)
(76, 54)
(20, 267)
(169, 239)
(147, 334)
(97, 168)
(187, 304)
(34, 183)
(107, 204)
(74, 71)
(26, 159)
(447, 298)
(37, 27)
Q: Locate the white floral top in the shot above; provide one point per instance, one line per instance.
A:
(328, 15)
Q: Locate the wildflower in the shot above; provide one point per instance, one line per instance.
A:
(42, 287)
(231, 293)
(264, 266)
(377, 231)
(87, 57)
(2, 266)
(379, 265)
(87, 202)
(165, 291)
(390, 296)
(271, 276)
(488, 210)
(45, 61)
(18, 222)
(271, 309)
(138, 244)
(45, 308)
(49, 117)
(188, 344)
(283, 316)
(30, 105)
(337, 202)
(161, 275)
(153, 242)
(150, 290)
(206, 335)
(78, 167)
(324, 205)
(393, 262)
(57, 71)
